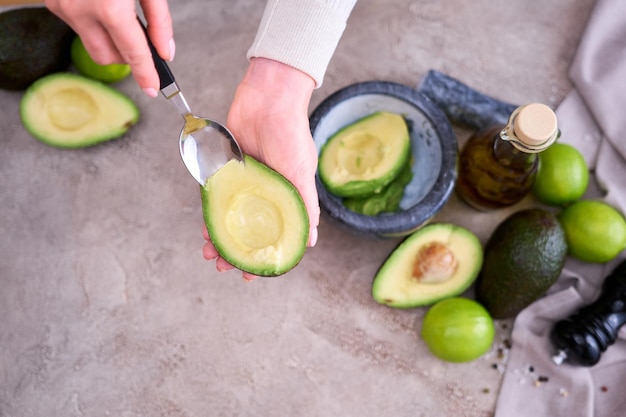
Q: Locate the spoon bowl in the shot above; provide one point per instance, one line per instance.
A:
(203, 149)
(205, 145)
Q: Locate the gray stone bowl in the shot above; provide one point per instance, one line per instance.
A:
(433, 144)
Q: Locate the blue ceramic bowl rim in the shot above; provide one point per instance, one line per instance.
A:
(403, 222)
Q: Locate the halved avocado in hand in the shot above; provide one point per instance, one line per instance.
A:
(363, 157)
(438, 261)
(71, 111)
(256, 218)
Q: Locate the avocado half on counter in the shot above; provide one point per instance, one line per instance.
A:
(438, 261)
(67, 110)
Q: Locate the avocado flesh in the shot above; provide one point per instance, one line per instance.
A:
(256, 218)
(438, 261)
(363, 157)
(33, 43)
(385, 201)
(523, 258)
(71, 111)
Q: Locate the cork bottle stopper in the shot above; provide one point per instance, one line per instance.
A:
(535, 124)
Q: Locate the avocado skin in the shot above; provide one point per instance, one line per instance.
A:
(394, 284)
(388, 200)
(523, 258)
(264, 262)
(115, 115)
(33, 43)
(376, 124)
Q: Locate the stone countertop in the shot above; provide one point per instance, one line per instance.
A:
(109, 309)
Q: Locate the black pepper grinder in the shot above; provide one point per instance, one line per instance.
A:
(583, 337)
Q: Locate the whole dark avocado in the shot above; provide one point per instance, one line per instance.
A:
(33, 43)
(523, 258)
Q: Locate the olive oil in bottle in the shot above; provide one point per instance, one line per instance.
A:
(498, 164)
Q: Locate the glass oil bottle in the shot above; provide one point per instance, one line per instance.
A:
(498, 164)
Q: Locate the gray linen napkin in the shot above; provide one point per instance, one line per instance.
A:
(592, 118)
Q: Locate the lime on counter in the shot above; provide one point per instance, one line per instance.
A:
(562, 176)
(85, 65)
(595, 231)
(458, 329)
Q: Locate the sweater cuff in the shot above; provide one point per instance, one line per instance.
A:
(303, 35)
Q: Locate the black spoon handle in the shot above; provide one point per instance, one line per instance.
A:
(166, 77)
(583, 337)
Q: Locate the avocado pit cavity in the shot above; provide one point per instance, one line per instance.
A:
(254, 222)
(434, 263)
(71, 108)
(360, 153)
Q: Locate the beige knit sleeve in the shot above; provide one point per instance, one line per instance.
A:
(302, 33)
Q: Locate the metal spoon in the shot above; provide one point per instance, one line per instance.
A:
(205, 145)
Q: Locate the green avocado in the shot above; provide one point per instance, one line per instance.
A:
(66, 110)
(363, 157)
(33, 43)
(256, 218)
(523, 258)
(438, 261)
(385, 201)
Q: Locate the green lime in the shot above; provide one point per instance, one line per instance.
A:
(458, 329)
(562, 176)
(595, 231)
(88, 67)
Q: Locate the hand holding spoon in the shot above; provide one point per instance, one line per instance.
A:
(205, 145)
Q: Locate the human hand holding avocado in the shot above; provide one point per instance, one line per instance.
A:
(269, 118)
(269, 114)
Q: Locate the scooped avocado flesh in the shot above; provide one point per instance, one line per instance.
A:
(72, 111)
(363, 157)
(438, 261)
(256, 218)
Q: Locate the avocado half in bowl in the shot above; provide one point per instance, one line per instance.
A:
(351, 117)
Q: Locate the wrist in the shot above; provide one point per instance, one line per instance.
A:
(279, 80)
